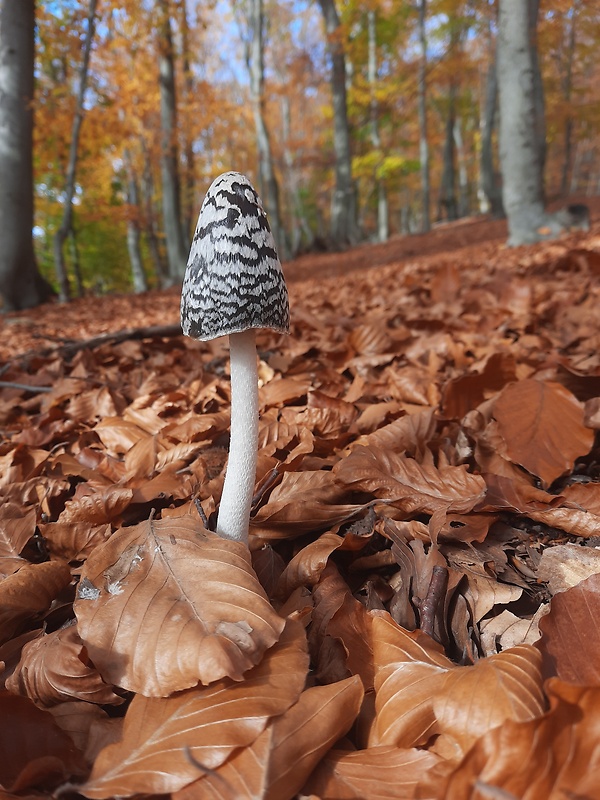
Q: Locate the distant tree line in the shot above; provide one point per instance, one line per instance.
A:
(355, 120)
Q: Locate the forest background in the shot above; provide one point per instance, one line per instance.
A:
(139, 105)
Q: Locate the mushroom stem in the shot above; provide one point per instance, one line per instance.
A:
(234, 510)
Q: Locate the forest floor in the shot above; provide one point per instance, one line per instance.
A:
(419, 614)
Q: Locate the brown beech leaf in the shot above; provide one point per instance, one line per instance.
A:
(52, 670)
(277, 764)
(16, 528)
(570, 640)
(35, 751)
(472, 700)
(553, 756)
(165, 738)
(413, 487)
(378, 773)
(96, 504)
(468, 391)
(167, 604)
(305, 567)
(28, 593)
(89, 726)
(303, 502)
(542, 426)
(408, 434)
(421, 693)
(74, 541)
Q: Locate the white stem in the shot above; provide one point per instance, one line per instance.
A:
(234, 511)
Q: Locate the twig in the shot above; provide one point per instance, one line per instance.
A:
(429, 607)
(69, 348)
(25, 386)
(200, 510)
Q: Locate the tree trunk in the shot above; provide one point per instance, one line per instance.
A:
(521, 155)
(343, 207)
(67, 219)
(21, 285)
(177, 250)
(160, 269)
(422, 105)
(189, 211)
(567, 89)
(75, 262)
(463, 174)
(133, 228)
(382, 201)
(300, 227)
(448, 204)
(488, 177)
(255, 61)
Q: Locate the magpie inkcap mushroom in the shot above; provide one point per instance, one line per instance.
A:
(234, 285)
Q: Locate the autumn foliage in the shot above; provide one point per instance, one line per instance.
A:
(417, 616)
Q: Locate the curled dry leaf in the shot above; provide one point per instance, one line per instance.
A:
(53, 669)
(96, 505)
(277, 764)
(303, 502)
(379, 773)
(570, 642)
(28, 593)
(409, 434)
(35, 751)
(306, 567)
(420, 693)
(565, 565)
(542, 426)
(16, 528)
(553, 756)
(206, 723)
(89, 726)
(410, 486)
(167, 604)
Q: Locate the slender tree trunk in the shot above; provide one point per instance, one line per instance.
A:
(75, 261)
(138, 275)
(150, 214)
(567, 89)
(448, 204)
(538, 86)
(21, 285)
(255, 60)
(489, 183)
(382, 201)
(343, 207)
(300, 227)
(177, 250)
(463, 174)
(422, 105)
(67, 219)
(521, 154)
(188, 214)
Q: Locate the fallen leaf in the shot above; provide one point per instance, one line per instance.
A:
(541, 424)
(208, 723)
(277, 764)
(570, 642)
(167, 604)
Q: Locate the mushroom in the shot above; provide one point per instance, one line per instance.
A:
(234, 285)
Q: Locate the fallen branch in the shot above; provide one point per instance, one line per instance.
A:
(69, 348)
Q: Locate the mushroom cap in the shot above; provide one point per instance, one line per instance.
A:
(233, 280)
